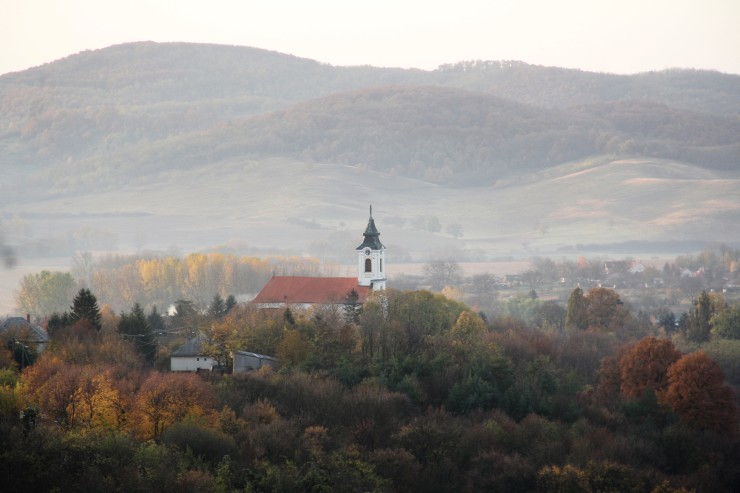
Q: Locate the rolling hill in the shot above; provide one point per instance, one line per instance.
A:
(148, 145)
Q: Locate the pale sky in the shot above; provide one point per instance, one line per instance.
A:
(618, 36)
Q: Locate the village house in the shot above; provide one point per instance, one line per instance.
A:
(22, 332)
(190, 357)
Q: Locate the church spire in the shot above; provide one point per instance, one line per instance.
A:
(371, 257)
(372, 235)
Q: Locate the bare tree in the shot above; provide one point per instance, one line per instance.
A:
(443, 272)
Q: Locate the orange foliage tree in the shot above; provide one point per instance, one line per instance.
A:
(166, 398)
(697, 393)
(74, 396)
(50, 384)
(644, 364)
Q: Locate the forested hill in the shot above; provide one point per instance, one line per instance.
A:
(450, 136)
(153, 106)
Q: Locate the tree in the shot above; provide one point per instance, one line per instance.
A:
(726, 324)
(217, 308)
(220, 341)
(135, 327)
(45, 293)
(550, 314)
(230, 302)
(577, 315)
(57, 322)
(698, 395)
(185, 314)
(50, 384)
(605, 309)
(166, 398)
(698, 325)
(667, 320)
(352, 307)
(468, 328)
(85, 307)
(95, 402)
(441, 273)
(155, 320)
(644, 366)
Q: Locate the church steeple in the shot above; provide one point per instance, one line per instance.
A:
(371, 257)
(371, 234)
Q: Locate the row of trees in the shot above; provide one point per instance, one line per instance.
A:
(121, 281)
(415, 392)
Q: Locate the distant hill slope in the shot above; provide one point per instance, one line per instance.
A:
(441, 135)
(100, 103)
(177, 120)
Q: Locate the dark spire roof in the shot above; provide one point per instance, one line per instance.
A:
(371, 235)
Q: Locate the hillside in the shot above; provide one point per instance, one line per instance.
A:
(149, 145)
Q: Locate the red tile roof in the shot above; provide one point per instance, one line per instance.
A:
(302, 289)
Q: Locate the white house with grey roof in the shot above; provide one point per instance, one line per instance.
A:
(190, 357)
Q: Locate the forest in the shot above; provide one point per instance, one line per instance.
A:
(412, 391)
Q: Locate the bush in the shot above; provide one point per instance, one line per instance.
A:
(205, 443)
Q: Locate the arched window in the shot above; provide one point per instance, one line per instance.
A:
(381, 265)
(368, 265)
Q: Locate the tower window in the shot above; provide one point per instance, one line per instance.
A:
(368, 265)
(381, 265)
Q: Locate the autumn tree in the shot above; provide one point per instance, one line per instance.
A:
(697, 328)
(166, 398)
(577, 314)
(220, 340)
(45, 293)
(644, 365)
(85, 307)
(468, 328)
(50, 385)
(605, 309)
(95, 403)
(698, 395)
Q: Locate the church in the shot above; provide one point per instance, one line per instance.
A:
(281, 291)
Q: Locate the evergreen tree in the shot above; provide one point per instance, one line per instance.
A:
(230, 303)
(135, 327)
(217, 308)
(156, 322)
(85, 307)
(185, 315)
(352, 307)
(57, 322)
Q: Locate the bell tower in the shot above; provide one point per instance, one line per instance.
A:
(371, 258)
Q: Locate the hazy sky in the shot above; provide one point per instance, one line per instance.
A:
(620, 36)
